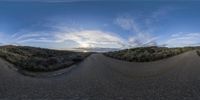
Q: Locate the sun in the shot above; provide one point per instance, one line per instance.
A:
(85, 45)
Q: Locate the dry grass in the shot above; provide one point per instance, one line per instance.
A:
(38, 59)
(146, 54)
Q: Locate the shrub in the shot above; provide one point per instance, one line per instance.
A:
(145, 54)
(198, 52)
(38, 59)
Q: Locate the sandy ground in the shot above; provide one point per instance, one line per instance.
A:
(102, 78)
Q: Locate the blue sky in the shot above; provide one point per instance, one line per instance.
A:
(69, 24)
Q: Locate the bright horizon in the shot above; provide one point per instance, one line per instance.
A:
(106, 24)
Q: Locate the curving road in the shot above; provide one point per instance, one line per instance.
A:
(102, 78)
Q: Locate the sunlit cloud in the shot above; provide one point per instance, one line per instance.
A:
(82, 38)
(92, 38)
(89, 38)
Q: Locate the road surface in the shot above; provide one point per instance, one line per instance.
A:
(102, 78)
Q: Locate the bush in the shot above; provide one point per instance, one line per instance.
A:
(145, 54)
(38, 59)
(198, 52)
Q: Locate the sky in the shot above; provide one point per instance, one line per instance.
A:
(61, 24)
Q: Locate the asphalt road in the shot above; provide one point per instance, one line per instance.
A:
(102, 78)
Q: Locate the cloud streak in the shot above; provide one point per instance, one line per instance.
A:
(139, 37)
(139, 34)
(87, 37)
(80, 37)
(92, 38)
(183, 39)
(26, 36)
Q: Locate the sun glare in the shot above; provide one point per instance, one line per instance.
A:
(85, 45)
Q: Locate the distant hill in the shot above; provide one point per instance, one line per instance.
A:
(95, 49)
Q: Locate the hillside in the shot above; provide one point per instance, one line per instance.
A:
(39, 59)
(146, 54)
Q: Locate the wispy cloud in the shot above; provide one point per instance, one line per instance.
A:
(162, 12)
(80, 37)
(2, 38)
(183, 39)
(92, 38)
(61, 33)
(27, 36)
(139, 37)
(143, 29)
(127, 23)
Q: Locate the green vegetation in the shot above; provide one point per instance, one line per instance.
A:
(146, 54)
(38, 59)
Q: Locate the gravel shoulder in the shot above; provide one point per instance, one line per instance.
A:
(103, 78)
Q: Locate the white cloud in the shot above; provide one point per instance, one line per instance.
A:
(127, 23)
(2, 38)
(139, 37)
(183, 39)
(79, 37)
(92, 38)
(25, 36)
